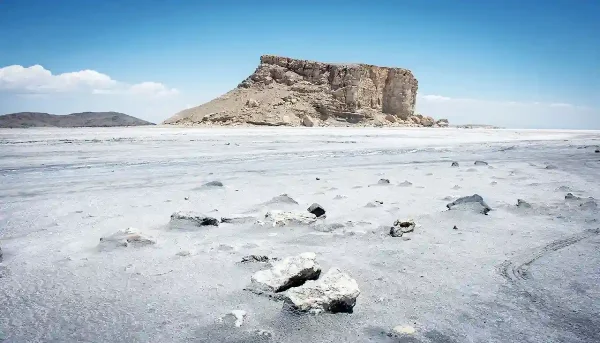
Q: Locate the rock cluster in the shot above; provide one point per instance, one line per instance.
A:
(284, 91)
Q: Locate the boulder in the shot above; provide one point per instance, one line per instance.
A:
(571, 196)
(196, 219)
(308, 121)
(473, 202)
(284, 218)
(126, 238)
(455, 164)
(334, 292)
(481, 163)
(427, 121)
(316, 209)
(443, 123)
(383, 182)
(290, 272)
(390, 118)
(252, 103)
(402, 227)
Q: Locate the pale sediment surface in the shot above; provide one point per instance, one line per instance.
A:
(514, 275)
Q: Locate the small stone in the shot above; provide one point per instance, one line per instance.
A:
(317, 179)
(456, 187)
(597, 151)
(255, 259)
(282, 199)
(316, 209)
(550, 167)
(405, 184)
(183, 253)
(383, 182)
(455, 164)
(571, 196)
(197, 219)
(284, 218)
(481, 163)
(125, 238)
(186, 198)
(455, 227)
(213, 184)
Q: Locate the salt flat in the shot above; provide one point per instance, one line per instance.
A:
(514, 275)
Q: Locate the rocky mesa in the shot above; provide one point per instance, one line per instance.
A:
(284, 91)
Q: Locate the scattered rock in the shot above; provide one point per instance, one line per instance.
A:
(455, 227)
(197, 219)
(597, 151)
(383, 182)
(316, 209)
(456, 187)
(373, 204)
(481, 163)
(183, 253)
(316, 178)
(225, 247)
(283, 199)
(213, 184)
(283, 218)
(405, 184)
(252, 103)
(334, 292)
(186, 198)
(125, 238)
(473, 202)
(390, 118)
(523, 204)
(455, 164)
(338, 197)
(255, 259)
(401, 228)
(0, 254)
(550, 167)
(589, 204)
(290, 272)
(493, 183)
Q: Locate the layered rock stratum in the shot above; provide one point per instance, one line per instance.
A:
(284, 91)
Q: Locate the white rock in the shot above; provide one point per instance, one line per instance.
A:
(283, 218)
(404, 330)
(334, 292)
(289, 272)
(125, 238)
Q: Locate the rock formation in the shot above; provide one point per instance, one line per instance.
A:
(285, 91)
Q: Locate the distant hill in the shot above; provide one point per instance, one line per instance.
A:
(84, 119)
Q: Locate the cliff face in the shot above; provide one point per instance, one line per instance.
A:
(286, 91)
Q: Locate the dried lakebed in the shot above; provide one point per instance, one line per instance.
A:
(520, 263)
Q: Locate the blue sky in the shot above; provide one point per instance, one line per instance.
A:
(511, 63)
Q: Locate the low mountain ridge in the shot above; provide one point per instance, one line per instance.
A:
(82, 119)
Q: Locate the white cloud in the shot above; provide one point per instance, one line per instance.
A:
(38, 80)
(561, 104)
(435, 98)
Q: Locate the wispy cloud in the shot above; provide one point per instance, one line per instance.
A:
(441, 98)
(39, 80)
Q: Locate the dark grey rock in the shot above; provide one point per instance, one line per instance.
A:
(473, 202)
(316, 209)
(550, 167)
(455, 164)
(213, 184)
(383, 182)
(481, 163)
(402, 227)
(255, 259)
(196, 219)
(571, 196)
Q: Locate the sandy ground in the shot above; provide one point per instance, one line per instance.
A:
(515, 275)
